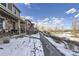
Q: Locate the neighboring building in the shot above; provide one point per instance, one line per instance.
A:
(25, 25)
(30, 29)
(29, 26)
(9, 17)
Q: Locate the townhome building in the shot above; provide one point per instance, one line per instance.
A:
(9, 17)
(11, 21)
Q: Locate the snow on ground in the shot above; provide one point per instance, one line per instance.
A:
(65, 35)
(36, 35)
(23, 46)
(74, 39)
(68, 36)
(61, 48)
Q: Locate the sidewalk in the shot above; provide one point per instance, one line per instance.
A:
(49, 49)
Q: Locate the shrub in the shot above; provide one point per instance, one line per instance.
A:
(5, 41)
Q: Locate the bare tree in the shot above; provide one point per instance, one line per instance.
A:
(75, 27)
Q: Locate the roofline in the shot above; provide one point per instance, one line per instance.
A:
(27, 20)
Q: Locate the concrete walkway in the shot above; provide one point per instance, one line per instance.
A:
(49, 49)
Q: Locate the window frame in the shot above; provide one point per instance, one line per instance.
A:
(10, 6)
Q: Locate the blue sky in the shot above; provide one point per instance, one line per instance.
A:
(40, 11)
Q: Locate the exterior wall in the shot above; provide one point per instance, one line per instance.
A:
(3, 18)
(8, 23)
(22, 25)
(11, 20)
(14, 9)
(17, 13)
(8, 20)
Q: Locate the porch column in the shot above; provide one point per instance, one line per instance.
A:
(25, 28)
(19, 28)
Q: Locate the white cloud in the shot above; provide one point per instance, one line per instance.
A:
(76, 16)
(57, 23)
(46, 19)
(56, 20)
(70, 11)
(28, 5)
(29, 17)
(50, 23)
(47, 22)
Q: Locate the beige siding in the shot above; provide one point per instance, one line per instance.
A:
(17, 13)
(13, 9)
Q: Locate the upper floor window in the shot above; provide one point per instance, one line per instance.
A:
(14, 9)
(10, 6)
(4, 4)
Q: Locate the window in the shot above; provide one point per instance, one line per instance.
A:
(4, 4)
(14, 8)
(15, 11)
(10, 6)
(1, 23)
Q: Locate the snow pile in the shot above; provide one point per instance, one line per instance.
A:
(74, 39)
(24, 46)
(65, 35)
(61, 48)
(68, 35)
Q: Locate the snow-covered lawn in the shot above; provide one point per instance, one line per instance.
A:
(22, 46)
(61, 48)
(68, 36)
